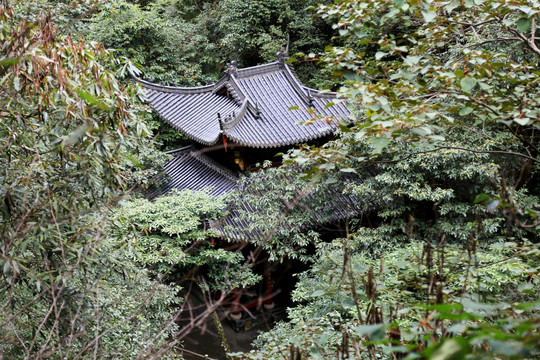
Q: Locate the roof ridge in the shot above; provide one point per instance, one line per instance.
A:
(297, 86)
(179, 151)
(246, 72)
(258, 69)
(324, 94)
(232, 86)
(235, 119)
(310, 91)
(237, 88)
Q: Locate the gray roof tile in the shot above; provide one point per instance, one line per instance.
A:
(272, 88)
(192, 170)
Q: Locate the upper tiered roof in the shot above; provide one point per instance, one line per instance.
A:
(249, 106)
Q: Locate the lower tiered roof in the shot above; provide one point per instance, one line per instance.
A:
(192, 169)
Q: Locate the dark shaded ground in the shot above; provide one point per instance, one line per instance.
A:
(205, 343)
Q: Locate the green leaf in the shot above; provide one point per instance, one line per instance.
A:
(451, 349)
(429, 15)
(16, 84)
(509, 21)
(437, 137)
(523, 24)
(328, 105)
(522, 121)
(374, 332)
(467, 84)
(450, 7)
(379, 55)
(526, 287)
(318, 293)
(465, 111)
(92, 100)
(378, 143)
(9, 61)
(412, 60)
(480, 198)
(422, 130)
(331, 180)
(445, 308)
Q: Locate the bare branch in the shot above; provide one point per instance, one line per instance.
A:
(530, 42)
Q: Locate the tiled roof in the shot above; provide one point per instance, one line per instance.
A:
(192, 170)
(249, 106)
(322, 204)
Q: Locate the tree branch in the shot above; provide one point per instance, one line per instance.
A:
(493, 40)
(491, 152)
(530, 42)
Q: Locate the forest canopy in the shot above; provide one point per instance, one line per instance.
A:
(442, 141)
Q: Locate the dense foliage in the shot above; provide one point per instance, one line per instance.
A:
(440, 158)
(190, 42)
(444, 134)
(429, 264)
(69, 140)
(170, 237)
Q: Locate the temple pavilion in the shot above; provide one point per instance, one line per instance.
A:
(249, 113)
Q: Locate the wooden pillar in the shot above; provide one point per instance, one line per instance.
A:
(236, 310)
(268, 299)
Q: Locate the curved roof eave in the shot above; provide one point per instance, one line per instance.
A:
(191, 136)
(293, 141)
(175, 89)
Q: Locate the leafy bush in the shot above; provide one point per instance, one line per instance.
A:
(170, 237)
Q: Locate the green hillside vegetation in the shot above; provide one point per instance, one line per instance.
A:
(443, 144)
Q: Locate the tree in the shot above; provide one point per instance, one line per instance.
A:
(444, 135)
(69, 140)
(154, 37)
(170, 237)
(190, 42)
(415, 271)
